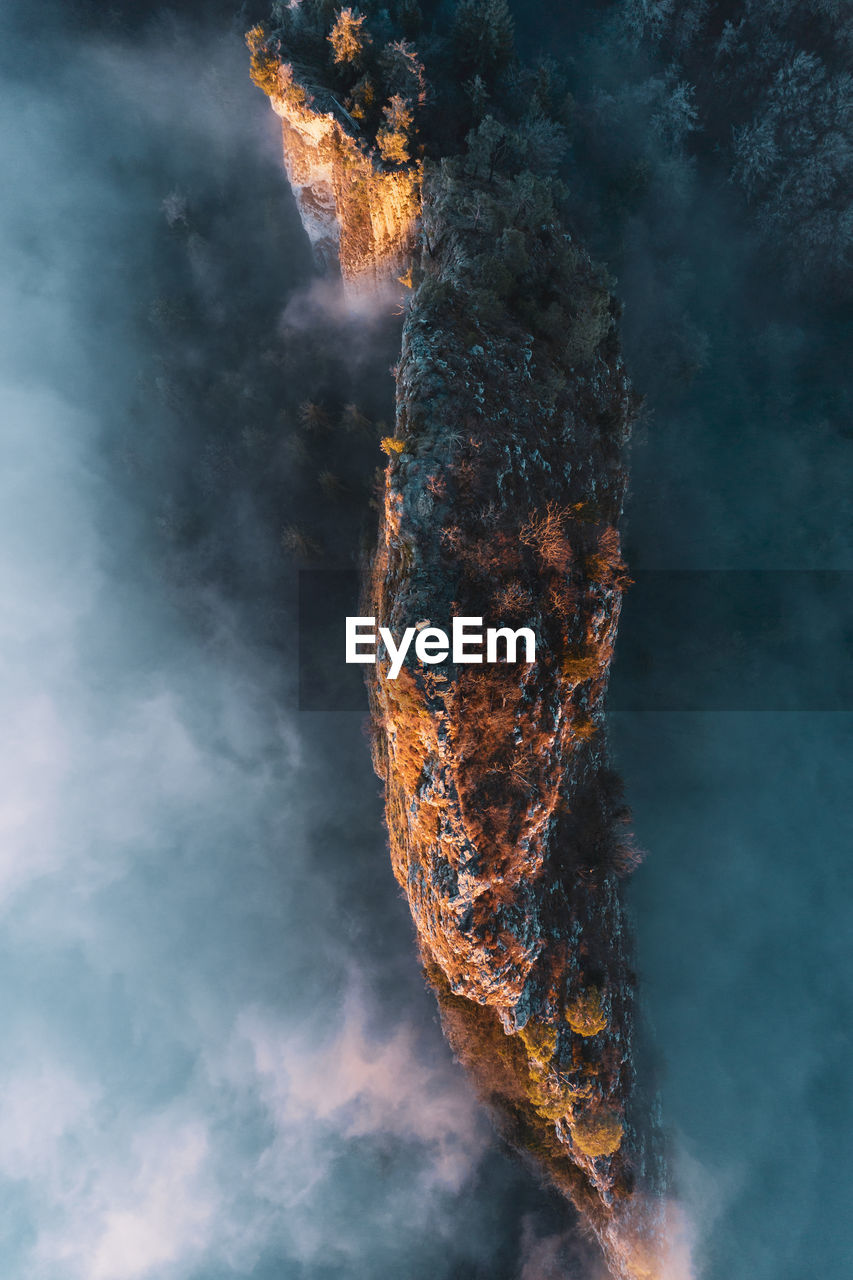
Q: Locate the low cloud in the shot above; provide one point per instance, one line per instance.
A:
(218, 1053)
(360, 1084)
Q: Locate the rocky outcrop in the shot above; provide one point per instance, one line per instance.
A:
(506, 824)
(502, 497)
(360, 214)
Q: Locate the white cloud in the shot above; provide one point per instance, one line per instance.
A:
(165, 1215)
(160, 1109)
(40, 1107)
(150, 1209)
(357, 1082)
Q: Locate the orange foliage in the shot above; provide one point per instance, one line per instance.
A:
(347, 37)
(597, 1133)
(606, 565)
(264, 65)
(585, 1015)
(578, 666)
(584, 728)
(540, 1041)
(544, 531)
(512, 598)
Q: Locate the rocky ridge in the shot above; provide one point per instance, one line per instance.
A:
(507, 827)
(502, 497)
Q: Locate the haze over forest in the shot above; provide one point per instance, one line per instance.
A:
(220, 1058)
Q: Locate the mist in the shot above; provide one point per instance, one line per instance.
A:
(219, 1055)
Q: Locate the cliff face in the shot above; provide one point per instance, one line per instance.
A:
(506, 824)
(502, 499)
(360, 214)
(501, 504)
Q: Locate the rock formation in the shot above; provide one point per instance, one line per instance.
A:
(507, 827)
(360, 215)
(502, 497)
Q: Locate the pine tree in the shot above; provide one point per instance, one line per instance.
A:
(348, 37)
(393, 137)
(483, 38)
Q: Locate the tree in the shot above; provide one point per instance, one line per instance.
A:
(265, 63)
(352, 419)
(362, 99)
(597, 1133)
(584, 1013)
(544, 143)
(333, 487)
(410, 18)
(794, 162)
(403, 71)
(393, 137)
(313, 417)
(348, 37)
(676, 116)
(488, 145)
(296, 542)
(483, 37)
(479, 95)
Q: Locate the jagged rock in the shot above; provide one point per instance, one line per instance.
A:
(503, 492)
(360, 214)
(506, 824)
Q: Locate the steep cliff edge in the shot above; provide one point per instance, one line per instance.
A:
(502, 497)
(359, 211)
(507, 828)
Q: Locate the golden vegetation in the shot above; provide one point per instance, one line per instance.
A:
(584, 1013)
(348, 37)
(540, 1041)
(584, 727)
(580, 664)
(264, 64)
(361, 99)
(393, 138)
(290, 90)
(496, 1061)
(597, 1133)
(605, 565)
(551, 1096)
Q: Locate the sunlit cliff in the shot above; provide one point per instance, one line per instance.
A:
(507, 826)
(502, 497)
(359, 212)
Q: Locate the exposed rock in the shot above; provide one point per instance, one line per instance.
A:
(503, 492)
(359, 213)
(506, 824)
